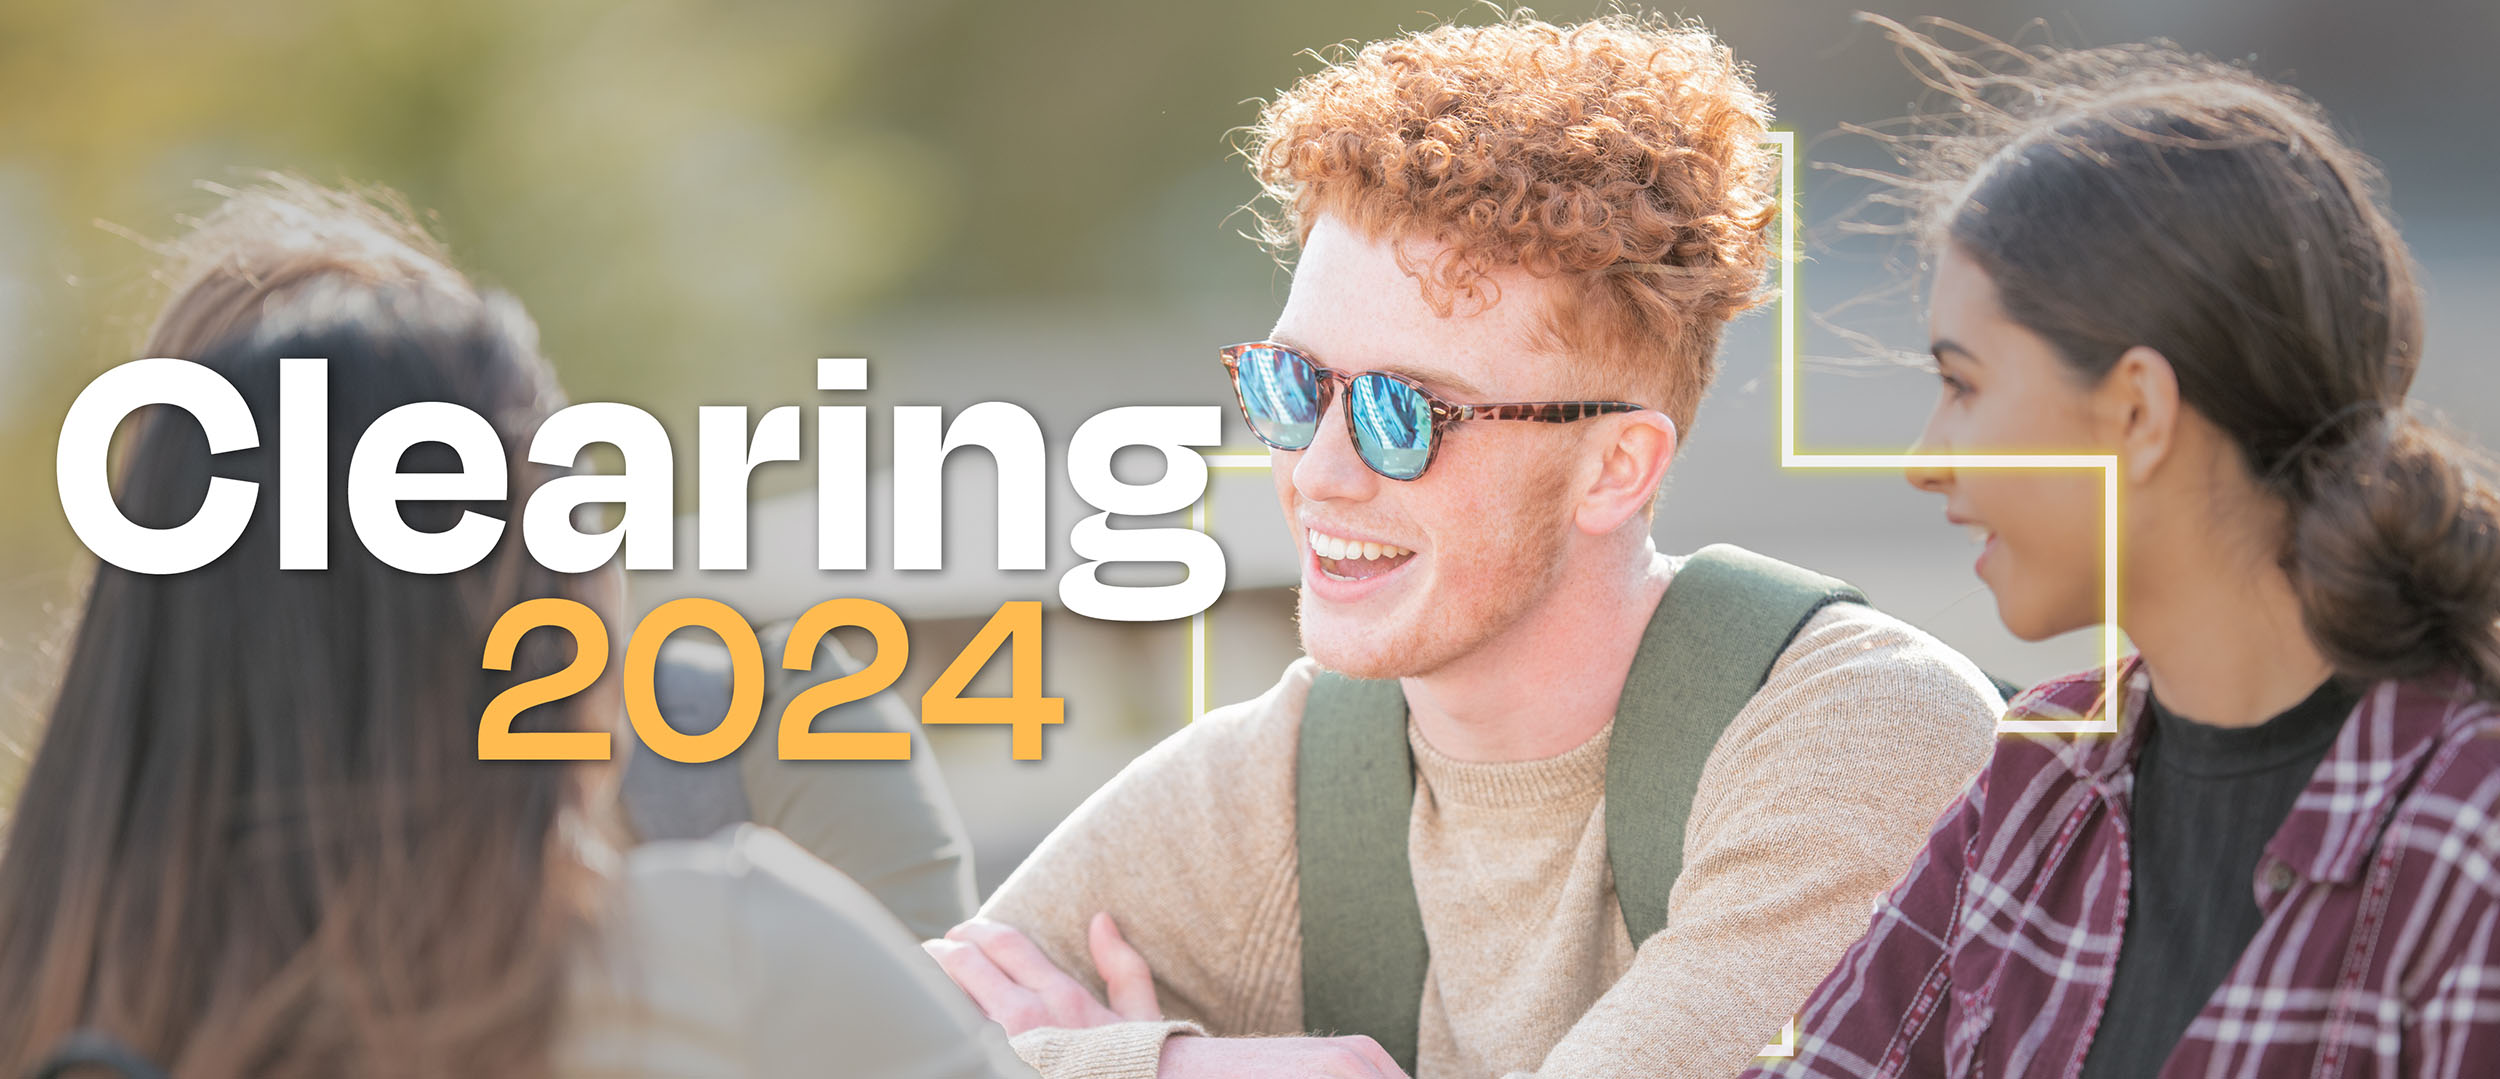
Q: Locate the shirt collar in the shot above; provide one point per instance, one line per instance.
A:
(2106, 760)
(2386, 742)
(2336, 821)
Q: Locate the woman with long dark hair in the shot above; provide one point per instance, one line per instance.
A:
(2282, 862)
(258, 840)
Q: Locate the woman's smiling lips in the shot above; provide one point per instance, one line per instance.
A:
(1979, 534)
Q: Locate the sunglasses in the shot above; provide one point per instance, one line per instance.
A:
(1396, 425)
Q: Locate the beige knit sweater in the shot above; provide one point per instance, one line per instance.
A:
(1813, 803)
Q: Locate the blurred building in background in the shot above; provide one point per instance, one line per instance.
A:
(1025, 203)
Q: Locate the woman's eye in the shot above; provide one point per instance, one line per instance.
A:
(1953, 387)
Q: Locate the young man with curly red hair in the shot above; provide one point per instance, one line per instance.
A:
(1542, 800)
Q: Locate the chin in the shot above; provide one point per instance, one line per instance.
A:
(1366, 665)
(1348, 651)
(2030, 624)
(1357, 646)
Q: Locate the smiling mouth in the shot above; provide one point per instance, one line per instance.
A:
(1355, 560)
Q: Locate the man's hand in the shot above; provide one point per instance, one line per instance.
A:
(1354, 1057)
(1019, 988)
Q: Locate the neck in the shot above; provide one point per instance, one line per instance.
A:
(1550, 682)
(2220, 631)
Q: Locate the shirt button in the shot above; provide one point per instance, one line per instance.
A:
(2278, 877)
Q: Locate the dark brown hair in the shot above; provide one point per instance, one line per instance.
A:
(2141, 196)
(256, 839)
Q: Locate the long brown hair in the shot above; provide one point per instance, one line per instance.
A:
(256, 839)
(2139, 195)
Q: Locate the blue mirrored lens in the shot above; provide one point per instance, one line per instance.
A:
(1392, 425)
(1281, 394)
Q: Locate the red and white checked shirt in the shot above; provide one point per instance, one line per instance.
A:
(2379, 956)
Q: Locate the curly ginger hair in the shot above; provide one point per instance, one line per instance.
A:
(1624, 155)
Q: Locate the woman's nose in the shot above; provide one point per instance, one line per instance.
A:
(1932, 478)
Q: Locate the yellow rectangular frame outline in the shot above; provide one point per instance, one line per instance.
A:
(1257, 458)
(2106, 722)
(1243, 460)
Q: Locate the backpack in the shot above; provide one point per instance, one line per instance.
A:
(1723, 622)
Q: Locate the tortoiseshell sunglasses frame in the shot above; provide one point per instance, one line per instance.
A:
(1444, 412)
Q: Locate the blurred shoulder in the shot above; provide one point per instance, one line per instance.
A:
(743, 954)
(762, 881)
(749, 855)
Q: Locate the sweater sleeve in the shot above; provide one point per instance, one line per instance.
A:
(1815, 800)
(1191, 849)
(1115, 1051)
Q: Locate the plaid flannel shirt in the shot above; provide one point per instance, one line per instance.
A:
(2379, 954)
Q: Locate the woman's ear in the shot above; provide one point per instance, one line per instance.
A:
(2138, 411)
(1630, 467)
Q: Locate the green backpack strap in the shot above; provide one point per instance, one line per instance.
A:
(1363, 951)
(1724, 621)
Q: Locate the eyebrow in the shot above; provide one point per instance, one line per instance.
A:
(1941, 346)
(1431, 377)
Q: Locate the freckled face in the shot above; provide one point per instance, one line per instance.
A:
(1484, 527)
(2005, 389)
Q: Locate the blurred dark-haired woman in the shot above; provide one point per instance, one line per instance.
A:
(2283, 860)
(257, 840)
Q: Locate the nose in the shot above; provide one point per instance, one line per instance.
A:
(1329, 470)
(1932, 478)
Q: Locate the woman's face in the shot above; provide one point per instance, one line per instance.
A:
(2004, 389)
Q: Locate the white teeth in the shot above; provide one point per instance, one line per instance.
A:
(1333, 547)
(1978, 534)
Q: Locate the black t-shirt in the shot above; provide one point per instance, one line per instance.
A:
(2207, 801)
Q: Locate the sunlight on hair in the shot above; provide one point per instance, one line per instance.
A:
(2106, 722)
(1784, 300)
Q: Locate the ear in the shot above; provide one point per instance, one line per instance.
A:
(1630, 466)
(2138, 411)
